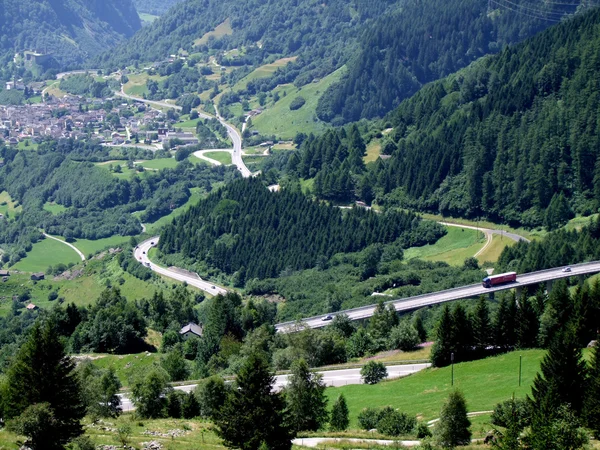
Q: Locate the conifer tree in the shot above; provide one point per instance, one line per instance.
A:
(463, 333)
(305, 398)
(561, 380)
(591, 405)
(481, 324)
(527, 324)
(504, 322)
(42, 373)
(453, 426)
(252, 413)
(443, 344)
(339, 414)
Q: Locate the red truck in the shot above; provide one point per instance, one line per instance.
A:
(495, 280)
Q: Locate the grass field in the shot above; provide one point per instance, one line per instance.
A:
(47, 252)
(262, 72)
(196, 434)
(147, 19)
(279, 120)
(373, 151)
(221, 30)
(484, 383)
(529, 234)
(137, 83)
(88, 246)
(54, 208)
(161, 163)
(492, 253)
(7, 205)
(223, 157)
(126, 365)
(27, 145)
(457, 245)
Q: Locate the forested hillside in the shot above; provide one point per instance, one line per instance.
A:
(513, 137)
(96, 205)
(392, 48)
(323, 32)
(245, 228)
(425, 41)
(154, 7)
(71, 30)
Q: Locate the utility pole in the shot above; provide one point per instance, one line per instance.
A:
(452, 367)
(520, 366)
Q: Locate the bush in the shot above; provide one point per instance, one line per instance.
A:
(368, 418)
(373, 372)
(395, 423)
(515, 411)
(423, 430)
(404, 337)
(297, 103)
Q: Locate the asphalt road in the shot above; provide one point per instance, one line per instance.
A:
(235, 137)
(141, 255)
(475, 290)
(341, 377)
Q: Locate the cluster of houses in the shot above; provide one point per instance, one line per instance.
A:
(76, 117)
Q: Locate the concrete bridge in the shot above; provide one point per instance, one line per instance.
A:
(475, 290)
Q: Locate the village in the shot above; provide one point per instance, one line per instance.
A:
(112, 121)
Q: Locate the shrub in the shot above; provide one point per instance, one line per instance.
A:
(404, 337)
(368, 418)
(423, 430)
(373, 372)
(395, 423)
(297, 103)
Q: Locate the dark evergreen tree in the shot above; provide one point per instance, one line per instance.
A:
(504, 322)
(339, 414)
(252, 414)
(527, 324)
(305, 399)
(591, 404)
(42, 373)
(482, 330)
(463, 333)
(443, 345)
(453, 426)
(561, 380)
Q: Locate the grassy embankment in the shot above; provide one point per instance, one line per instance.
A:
(223, 157)
(223, 29)
(457, 245)
(264, 71)
(484, 383)
(279, 120)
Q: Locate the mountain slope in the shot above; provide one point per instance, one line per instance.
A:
(71, 30)
(263, 26)
(425, 41)
(514, 137)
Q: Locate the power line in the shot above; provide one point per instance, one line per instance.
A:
(533, 16)
(537, 11)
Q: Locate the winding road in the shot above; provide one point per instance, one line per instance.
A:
(141, 254)
(234, 135)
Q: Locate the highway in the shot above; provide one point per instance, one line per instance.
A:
(341, 377)
(475, 290)
(141, 254)
(234, 135)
